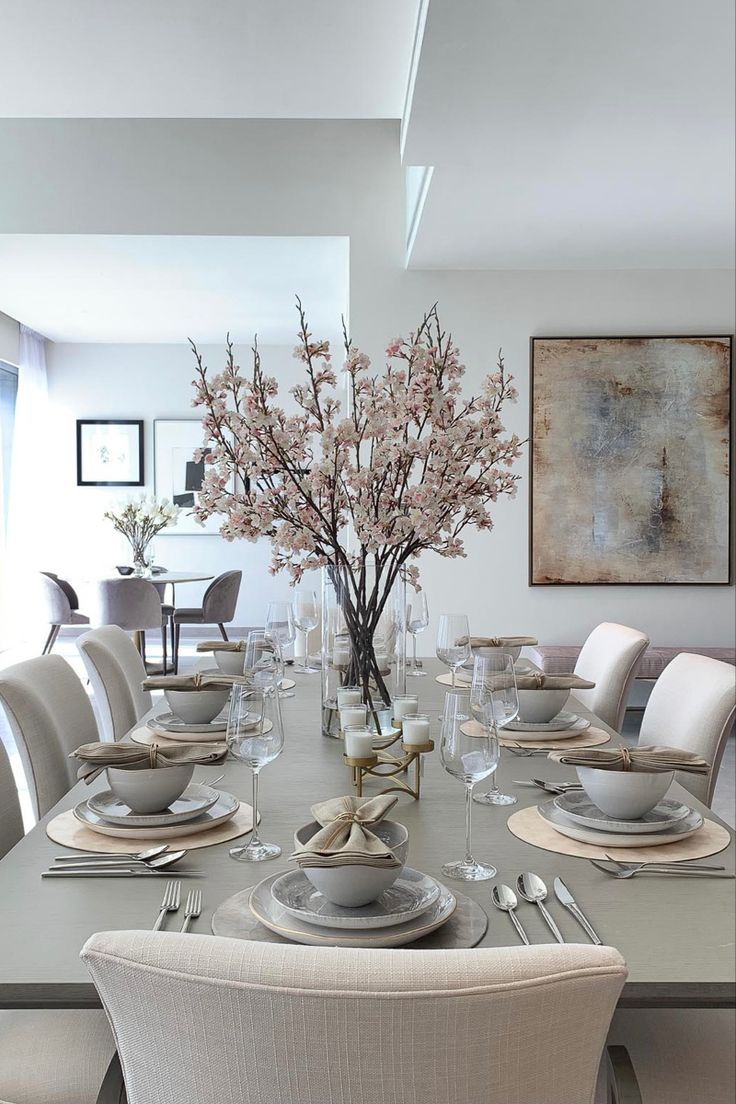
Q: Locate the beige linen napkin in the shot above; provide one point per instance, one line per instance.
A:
(198, 681)
(498, 641)
(345, 838)
(97, 757)
(536, 680)
(647, 759)
(221, 646)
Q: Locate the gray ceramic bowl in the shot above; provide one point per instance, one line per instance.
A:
(196, 706)
(353, 886)
(504, 649)
(625, 795)
(540, 706)
(150, 791)
(230, 663)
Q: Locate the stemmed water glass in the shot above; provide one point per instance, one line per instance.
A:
(261, 658)
(281, 632)
(255, 735)
(494, 702)
(469, 753)
(417, 621)
(453, 641)
(306, 617)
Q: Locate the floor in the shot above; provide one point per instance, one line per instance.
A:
(724, 801)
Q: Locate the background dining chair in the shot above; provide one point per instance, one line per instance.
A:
(49, 715)
(304, 1025)
(115, 670)
(134, 605)
(47, 1056)
(692, 706)
(218, 608)
(609, 658)
(60, 606)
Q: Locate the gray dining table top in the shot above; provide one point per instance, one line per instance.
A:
(676, 934)
(171, 577)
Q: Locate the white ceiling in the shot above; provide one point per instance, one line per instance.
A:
(301, 59)
(119, 288)
(575, 134)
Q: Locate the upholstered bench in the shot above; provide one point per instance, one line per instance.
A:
(558, 659)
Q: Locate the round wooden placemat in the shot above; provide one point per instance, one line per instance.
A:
(528, 825)
(461, 683)
(589, 738)
(67, 830)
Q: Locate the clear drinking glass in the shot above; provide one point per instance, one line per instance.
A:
(417, 621)
(255, 735)
(281, 631)
(305, 610)
(469, 753)
(453, 641)
(494, 702)
(261, 658)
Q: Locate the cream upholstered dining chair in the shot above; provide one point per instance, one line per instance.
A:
(134, 605)
(304, 1025)
(116, 671)
(609, 658)
(49, 715)
(60, 605)
(218, 608)
(692, 706)
(47, 1056)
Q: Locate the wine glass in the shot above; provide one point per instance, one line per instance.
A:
(417, 622)
(261, 658)
(280, 630)
(255, 735)
(305, 611)
(494, 701)
(453, 641)
(469, 753)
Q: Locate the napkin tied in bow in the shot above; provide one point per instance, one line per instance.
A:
(537, 680)
(96, 757)
(647, 759)
(200, 680)
(222, 646)
(345, 838)
(498, 641)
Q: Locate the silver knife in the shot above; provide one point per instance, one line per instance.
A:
(565, 897)
(116, 872)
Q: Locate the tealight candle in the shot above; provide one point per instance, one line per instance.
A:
(415, 729)
(349, 695)
(353, 715)
(404, 705)
(359, 742)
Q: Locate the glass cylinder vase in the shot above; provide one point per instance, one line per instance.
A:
(363, 641)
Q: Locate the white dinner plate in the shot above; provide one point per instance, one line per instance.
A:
(225, 808)
(412, 894)
(562, 824)
(578, 808)
(273, 916)
(170, 722)
(204, 735)
(540, 733)
(195, 800)
(562, 721)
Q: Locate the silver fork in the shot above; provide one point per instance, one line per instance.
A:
(663, 871)
(170, 903)
(659, 865)
(192, 908)
(525, 753)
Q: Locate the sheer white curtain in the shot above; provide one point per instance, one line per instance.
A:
(29, 540)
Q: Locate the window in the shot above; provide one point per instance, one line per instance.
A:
(8, 392)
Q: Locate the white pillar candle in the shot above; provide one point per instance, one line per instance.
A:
(353, 715)
(359, 742)
(349, 695)
(415, 729)
(404, 705)
(341, 655)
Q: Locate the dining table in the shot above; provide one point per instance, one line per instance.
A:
(676, 933)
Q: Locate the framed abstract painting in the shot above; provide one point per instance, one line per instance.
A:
(109, 452)
(630, 461)
(177, 475)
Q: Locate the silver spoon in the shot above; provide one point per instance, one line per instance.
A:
(94, 857)
(504, 899)
(159, 862)
(532, 889)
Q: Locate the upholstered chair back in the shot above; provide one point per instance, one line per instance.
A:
(692, 707)
(11, 822)
(116, 671)
(609, 658)
(49, 715)
(304, 1025)
(55, 599)
(130, 604)
(221, 598)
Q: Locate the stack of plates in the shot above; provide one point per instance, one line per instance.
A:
(198, 809)
(172, 727)
(415, 905)
(562, 727)
(573, 814)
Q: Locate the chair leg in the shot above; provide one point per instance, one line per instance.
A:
(51, 639)
(164, 634)
(143, 647)
(175, 657)
(222, 630)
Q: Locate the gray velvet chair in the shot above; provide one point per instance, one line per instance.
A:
(134, 605)
(49, 715)
(47, 1056)
(218, 608)
(61, 606)
(115, 670)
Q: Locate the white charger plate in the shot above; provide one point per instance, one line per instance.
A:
(412, 894)
(225, 808)
(203, 735)
(675, 832)
(578, 807)
(274, 917)
(558, 724)
(195, 800)
(540, 735)
(170, 722)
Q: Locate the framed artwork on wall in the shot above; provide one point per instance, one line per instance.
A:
(630, 441)
(109, 453)
(177, 476)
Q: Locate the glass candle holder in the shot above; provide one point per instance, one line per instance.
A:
(359, 742)
(353, 715)
(403, 705)
(415, 729)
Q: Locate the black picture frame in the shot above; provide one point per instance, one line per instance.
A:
(137, 457)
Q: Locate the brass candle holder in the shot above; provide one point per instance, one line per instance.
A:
(384, 764)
